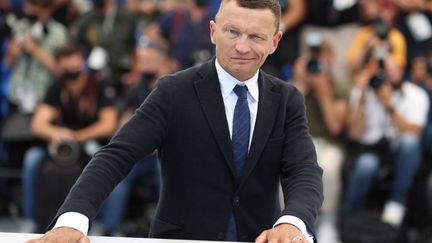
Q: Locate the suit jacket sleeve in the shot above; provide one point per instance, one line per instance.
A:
(301, 177)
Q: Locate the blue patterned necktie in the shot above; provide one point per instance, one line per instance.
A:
(240, 146)
(241, 130)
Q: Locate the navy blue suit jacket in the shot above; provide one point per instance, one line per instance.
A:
(184, 118)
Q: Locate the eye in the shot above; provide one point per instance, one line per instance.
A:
(257, 38)
(232, 33)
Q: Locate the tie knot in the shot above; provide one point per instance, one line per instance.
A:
(241, 91)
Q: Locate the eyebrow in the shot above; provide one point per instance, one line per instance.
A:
(229, 25)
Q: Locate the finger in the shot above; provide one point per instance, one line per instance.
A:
(32, 241)
(55, 140)
(262, 238)
(84, 239)
(299, 239)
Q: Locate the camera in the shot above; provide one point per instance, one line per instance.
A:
(377, 80)
(313, 66)
(20, 27)
(123, 64)
(314, 42)
(65, 153)
(381, 53)
(97, 60)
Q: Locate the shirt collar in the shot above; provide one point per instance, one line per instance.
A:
(228, 82)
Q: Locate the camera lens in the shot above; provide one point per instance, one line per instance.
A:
(64, 150)
(313, 66)
(66, 153)
(377, 80)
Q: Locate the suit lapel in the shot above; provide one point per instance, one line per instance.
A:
(267, 111)
(210, 97)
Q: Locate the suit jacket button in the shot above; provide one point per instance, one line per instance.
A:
(221, 236)
(236, 199)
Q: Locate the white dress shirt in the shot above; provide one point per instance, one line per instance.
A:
(227, 83)
(411, 102)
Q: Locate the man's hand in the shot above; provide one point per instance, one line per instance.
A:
(321, 85)
(61, 235)
(30, 45)
(385, 94)
(62, 134)
(282, 233)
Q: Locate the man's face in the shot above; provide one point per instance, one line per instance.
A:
(32, 11)
(71, 66)
(383, 9)
(149, 60)
(418, 70)
(243, 38)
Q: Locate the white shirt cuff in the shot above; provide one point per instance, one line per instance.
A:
(289, 219)
(73, 220)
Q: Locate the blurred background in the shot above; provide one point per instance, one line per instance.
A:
(73, 71)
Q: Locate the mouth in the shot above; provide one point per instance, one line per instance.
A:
(242, 59)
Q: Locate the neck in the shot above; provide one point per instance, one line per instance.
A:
(44, 18)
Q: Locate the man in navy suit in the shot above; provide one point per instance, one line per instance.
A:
(191, 117)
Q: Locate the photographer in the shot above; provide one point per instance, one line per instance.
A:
(77, 109)
(386, 120)
(107, 35)
(30, 55)
(377, 35)
(326, 113)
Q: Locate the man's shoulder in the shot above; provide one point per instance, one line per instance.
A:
(413, 91)
(189, 74)
(177, 82)
(56, 27)
(277, 83)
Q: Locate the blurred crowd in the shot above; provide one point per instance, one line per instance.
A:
(73, 71)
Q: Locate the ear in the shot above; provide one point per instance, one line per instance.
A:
(212, 26)
(275, 41)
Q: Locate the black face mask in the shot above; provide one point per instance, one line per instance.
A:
(148, 76)
(70, 75)
(380, 27)
(98, 4)
(201, 3)
(32, 18)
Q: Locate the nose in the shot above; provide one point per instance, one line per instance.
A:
(242, 46)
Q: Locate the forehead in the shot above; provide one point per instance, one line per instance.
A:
(418, 62)
(70, 59)
(146, 50)
(29, 6)
(256, 20)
